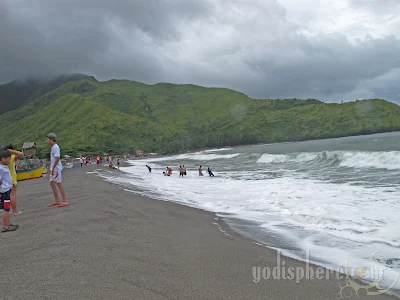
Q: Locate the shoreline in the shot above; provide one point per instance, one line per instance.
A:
(109, 243)
(227, 227)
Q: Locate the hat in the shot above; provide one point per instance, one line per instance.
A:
(52, 136)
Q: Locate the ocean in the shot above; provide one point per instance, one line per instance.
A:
(335, 202)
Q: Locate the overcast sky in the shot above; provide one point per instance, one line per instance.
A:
(329, 50)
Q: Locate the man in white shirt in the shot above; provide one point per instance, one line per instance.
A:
(55, 172)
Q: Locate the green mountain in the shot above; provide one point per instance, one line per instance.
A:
(121, 116)
(19, 92)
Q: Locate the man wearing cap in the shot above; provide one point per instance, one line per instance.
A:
(55, 171)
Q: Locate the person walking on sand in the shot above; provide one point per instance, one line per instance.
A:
(5, 190)
(55, 172)
(200, 171)
(15, 155)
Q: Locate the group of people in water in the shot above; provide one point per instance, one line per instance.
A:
(182, 171)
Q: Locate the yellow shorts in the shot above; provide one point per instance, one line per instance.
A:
(14, 180)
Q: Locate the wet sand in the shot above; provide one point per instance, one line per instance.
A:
(110, 244)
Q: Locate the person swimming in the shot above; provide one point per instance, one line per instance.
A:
(148, 167)
(200, 171)
(210, 172)
(169, 171)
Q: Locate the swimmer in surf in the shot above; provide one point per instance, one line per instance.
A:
(169, 171)
(180, 171)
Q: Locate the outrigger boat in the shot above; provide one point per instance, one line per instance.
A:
(30, 173)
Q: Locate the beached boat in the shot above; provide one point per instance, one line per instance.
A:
(30, 173)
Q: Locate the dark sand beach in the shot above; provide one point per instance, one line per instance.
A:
(110, 244)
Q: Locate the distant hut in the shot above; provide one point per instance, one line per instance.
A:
(29, 149)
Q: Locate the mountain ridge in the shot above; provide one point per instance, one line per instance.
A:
(120, 116)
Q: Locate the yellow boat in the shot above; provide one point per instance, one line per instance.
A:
(30, 173)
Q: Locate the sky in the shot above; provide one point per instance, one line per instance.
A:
(323, 49)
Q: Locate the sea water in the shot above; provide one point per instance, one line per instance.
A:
(335, 201)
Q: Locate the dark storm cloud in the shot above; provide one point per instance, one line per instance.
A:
(245, 45)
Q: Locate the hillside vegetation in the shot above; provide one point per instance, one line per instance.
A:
(120, 116)
(20, 92)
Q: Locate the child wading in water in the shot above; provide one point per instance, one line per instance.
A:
(5, 190)
(55, 172)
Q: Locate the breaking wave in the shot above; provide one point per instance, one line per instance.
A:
(389, 160)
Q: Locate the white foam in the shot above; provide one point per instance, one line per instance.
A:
(341, 219)
(353, 159)
(217, 150)
(380, 160)
(273, 158)
(194, 156)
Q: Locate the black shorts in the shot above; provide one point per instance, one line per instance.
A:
(5, 200)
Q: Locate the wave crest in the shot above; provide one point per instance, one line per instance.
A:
(389, 160)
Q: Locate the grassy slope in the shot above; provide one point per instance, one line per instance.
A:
(17, 93)
(120, 115)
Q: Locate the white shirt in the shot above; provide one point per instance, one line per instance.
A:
(5, 178)
(54, 153)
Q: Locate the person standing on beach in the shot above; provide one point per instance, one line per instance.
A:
(55, 172)
(118, 162)
(14, 156)
(184, 170)
(5, 190)
(81, 161)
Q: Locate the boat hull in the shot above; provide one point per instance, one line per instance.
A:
(31, 173)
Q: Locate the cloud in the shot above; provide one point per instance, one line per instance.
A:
(264, 48)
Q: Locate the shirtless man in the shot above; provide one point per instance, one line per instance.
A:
(200, 171)
(180, 171)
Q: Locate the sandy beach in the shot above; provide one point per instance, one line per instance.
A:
(111, 244)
